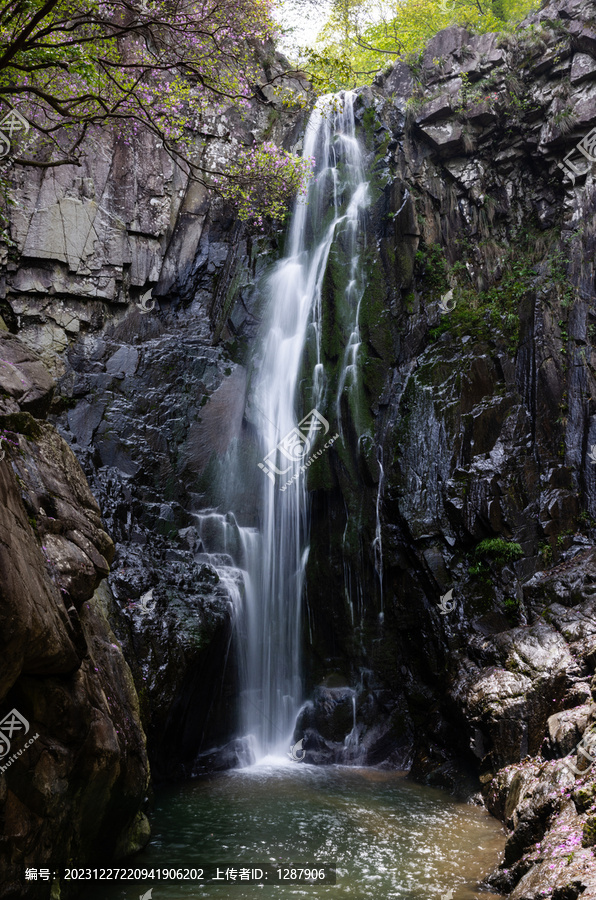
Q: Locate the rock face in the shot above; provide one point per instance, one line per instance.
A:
(452, 562)
(74, 788)
(473, 470)
(136, 287)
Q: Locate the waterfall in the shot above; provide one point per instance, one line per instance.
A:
(292, 403)
(378, 541)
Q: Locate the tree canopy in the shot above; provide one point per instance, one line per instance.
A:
(361, 37)
(68, 66)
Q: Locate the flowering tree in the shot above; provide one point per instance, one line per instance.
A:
(278, 175)
(70, 65)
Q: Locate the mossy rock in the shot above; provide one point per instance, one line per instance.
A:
(589, 832)
(22, 423)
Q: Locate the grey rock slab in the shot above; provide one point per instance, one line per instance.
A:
(399, 82)
(125, 361)
(566, 728)
(444, 46)
(61, 231)
(447, 139)
(23, 375)
(84, 419)
(583, 68)
(439, 108)
(537, 650)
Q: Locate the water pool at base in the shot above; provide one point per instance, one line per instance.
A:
(391, 839)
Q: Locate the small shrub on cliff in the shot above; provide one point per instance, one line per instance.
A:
(431, 267)
(497, 550)
(262, 180)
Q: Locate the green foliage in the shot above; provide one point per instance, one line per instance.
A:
(496, 550)
(512, 608)
(496, 309)
(71, 66)
(558, 266)
(546, 552)
(431, 267)
(468, 317)
(360, 39)
(281, 175)
(500, 550)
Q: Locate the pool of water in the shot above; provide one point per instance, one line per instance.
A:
(390, 839)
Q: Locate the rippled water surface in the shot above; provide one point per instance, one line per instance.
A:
(391, 839)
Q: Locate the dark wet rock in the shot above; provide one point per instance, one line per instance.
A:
(233, 755)
(333, 712)
(61, 666)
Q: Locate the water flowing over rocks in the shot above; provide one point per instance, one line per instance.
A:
(450, 618)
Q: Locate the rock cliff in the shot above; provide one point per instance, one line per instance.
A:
(450, 577)
(75, 789)
(475, 472)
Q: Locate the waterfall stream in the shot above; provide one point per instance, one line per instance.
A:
(290, 408)
(387, 837)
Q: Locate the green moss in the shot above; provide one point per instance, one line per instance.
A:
(589, 832)
(369, 122)
(501, 550)
(22, 423)
(512, 609)
(496, 550)
(546, 552)
(585, 796)
(431, 268)
(496, 310)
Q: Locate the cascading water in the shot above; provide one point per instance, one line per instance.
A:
(272, 626)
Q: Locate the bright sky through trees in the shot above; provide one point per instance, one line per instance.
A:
(361, 37)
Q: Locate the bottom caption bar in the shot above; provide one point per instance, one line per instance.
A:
(303, 873)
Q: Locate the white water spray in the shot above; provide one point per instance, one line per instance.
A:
(271, 692)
